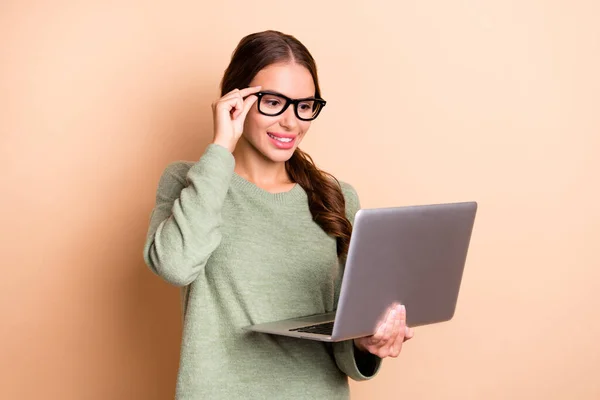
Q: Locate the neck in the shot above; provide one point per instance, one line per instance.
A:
(253, 166)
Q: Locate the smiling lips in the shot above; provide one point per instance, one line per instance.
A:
(282, 140)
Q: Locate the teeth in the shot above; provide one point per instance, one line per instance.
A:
(284, 140)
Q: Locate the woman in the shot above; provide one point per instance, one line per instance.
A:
(254, 232)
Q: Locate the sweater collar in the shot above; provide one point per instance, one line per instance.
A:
(295, 195)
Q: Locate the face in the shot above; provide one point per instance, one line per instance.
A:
(270, 135)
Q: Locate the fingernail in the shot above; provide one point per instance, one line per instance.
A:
(402, 308)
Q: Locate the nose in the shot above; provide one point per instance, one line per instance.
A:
(288, 119)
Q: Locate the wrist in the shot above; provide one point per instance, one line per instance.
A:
(359, 346)
(224, 143)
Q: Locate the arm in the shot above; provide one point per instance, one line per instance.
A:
(184, 224)
(355, 363)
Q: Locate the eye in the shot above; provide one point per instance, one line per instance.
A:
(271, 101)
(305, 106)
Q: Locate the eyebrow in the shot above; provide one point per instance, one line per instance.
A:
(281, 94)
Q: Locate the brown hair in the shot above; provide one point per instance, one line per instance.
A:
(325, 198)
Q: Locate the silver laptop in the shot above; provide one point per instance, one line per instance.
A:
(413, 255)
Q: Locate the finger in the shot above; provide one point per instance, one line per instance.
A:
(228, 102)
(402, 318)
(244, 92)
(396, 335)
(223, 100)
(250, 90)
(227, 98)
(399, 321)
(233, 91)
(396, 324)
(390, 316)
(248, 103)
(410, 332)
(238, 108)
(378, 336)
(239, 93)
(396, 347)
(388, 334)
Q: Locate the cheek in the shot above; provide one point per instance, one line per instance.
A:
(304, 127)
(255, 123)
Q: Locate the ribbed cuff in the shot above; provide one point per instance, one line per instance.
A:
(358, 365)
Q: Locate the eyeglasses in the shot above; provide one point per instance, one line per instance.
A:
(273, 104)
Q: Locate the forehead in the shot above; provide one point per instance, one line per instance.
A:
(289, 79)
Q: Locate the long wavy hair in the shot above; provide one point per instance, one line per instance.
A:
(325, 198)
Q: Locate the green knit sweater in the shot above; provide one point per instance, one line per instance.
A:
(244, 256)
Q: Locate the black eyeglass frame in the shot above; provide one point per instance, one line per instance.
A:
(289, 101)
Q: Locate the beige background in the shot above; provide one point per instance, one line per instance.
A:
(429, 101)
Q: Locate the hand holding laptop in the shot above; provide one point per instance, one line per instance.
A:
(391, 333)
(412, 256)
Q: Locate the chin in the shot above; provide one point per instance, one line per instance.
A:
(277, 155)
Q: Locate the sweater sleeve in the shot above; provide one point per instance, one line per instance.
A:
(184, 224)
(358, 365)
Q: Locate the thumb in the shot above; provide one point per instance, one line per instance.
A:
(408, 333)
(248, 103)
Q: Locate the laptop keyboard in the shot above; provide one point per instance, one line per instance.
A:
(318, 329)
